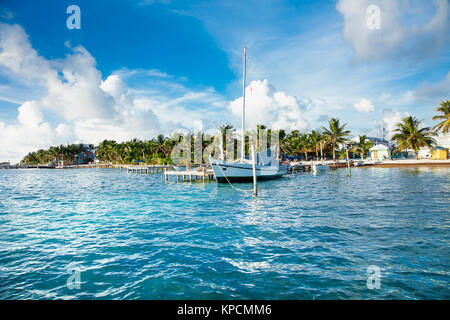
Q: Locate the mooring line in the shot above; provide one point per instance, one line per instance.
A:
(245, 190)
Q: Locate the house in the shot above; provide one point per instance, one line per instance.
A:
(4, 165)
(442, 142)
(84, 157)
(424, 153)
(439, 153)
(380, 152)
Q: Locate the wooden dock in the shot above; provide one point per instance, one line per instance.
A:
(147, 169)
(190, 175)
(299, 168)
(341, 165)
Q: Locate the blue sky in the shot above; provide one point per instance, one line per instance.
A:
(140, 67)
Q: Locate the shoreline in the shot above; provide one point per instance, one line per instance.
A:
(366, 163)
(409, 163)
(412, 165)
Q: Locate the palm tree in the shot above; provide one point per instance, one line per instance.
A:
(362, 146)
(445, 117)
(304, 145)
(225, 129)
(342, 153)
(410, 136)
(335, 134)
(315, 139)
(160, 146)
(288, 143)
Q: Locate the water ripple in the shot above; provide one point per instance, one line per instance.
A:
(305, 236)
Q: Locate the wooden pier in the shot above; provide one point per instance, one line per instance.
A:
(146, 169)
(341, 165)
(190, 175)
(299, 168)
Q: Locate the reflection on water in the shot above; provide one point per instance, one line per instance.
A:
(304, 237)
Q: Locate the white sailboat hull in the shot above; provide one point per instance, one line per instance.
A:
(225, 171)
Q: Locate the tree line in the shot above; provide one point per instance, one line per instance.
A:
(330, 141)
(68, 152)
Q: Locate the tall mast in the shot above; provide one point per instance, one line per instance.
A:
(243, 109)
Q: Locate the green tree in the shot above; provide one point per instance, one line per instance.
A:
(409, 135)
(335, 134)
(362, 146)
(444, 108)
(315, 139)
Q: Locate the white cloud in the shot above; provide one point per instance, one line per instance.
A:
(364, 106)
(124, 72)
(19, 57)
(29, 133)
(87, 108)
(30, 114)
(265, 105)
(391, 118)
(397, 36)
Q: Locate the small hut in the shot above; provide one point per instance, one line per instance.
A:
(380, 152)
(439, 153)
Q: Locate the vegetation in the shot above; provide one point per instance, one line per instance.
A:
(342, 154)
(409, 135)
(335, 134)
(362, 146)
(330, 140)
(56, 153)
(296, 144)
(154, 151)
(315, 141)
(158, 150)
(444, 108)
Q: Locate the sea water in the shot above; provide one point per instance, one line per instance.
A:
(109, 234)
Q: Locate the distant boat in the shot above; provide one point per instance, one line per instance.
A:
(266, 163)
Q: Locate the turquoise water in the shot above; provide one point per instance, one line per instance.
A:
(305, 237)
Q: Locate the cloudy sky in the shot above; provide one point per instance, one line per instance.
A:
(141, 67)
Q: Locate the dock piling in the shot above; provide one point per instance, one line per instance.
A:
(255, 187)
(190, 174)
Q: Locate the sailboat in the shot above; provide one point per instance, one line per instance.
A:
(266, 162)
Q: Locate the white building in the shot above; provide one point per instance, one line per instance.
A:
(442, 140)
(380, 152)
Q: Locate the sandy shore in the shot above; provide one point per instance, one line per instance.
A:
(413, 163)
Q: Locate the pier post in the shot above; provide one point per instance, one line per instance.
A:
(255, 187)
(348, 164)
